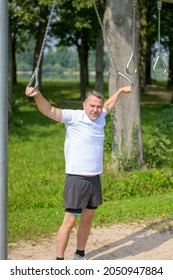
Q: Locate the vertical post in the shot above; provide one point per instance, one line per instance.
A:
(3, 126)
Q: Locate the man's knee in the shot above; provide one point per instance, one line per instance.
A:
(69, 220)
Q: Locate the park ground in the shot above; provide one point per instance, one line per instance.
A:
(151, 241)
(116, 242)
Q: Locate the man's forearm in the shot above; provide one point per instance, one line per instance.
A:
(112, 100)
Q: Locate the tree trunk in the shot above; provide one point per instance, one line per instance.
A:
(83, 61)
(143, 49)
(14, 72)
(148, 65)
(148, 53)
(39, 39)
(10, 70)
(170, 75)
(99, 83)
(127, 133)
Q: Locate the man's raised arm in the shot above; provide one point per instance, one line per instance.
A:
(110, 103)
(43, 105)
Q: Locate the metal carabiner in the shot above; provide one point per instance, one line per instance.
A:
(119, 74)
(132, 59)
(34, 78)
(159, 62)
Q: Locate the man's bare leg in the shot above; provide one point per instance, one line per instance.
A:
(84, 228)
(64, 233)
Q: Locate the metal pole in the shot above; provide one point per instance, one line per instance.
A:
(3, 126)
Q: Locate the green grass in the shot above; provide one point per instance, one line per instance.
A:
(137, 209)
(36, 171)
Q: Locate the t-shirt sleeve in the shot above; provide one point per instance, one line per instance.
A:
(104, 112)
(69, 116)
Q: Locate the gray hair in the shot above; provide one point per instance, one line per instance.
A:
(96, 94)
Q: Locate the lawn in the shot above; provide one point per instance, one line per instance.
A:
(36, 170)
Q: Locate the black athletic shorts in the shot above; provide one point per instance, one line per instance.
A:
(82, 192)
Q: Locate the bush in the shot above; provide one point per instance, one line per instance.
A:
(156, 149)
(157, 145)
(137, 184)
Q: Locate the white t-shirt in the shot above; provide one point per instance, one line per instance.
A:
(84, 142)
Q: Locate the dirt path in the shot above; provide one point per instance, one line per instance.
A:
(119, 242)
(165, 96)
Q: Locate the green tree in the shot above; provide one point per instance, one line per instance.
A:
(28, 19)
(79, 31)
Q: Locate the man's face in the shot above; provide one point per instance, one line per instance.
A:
(93, 107)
